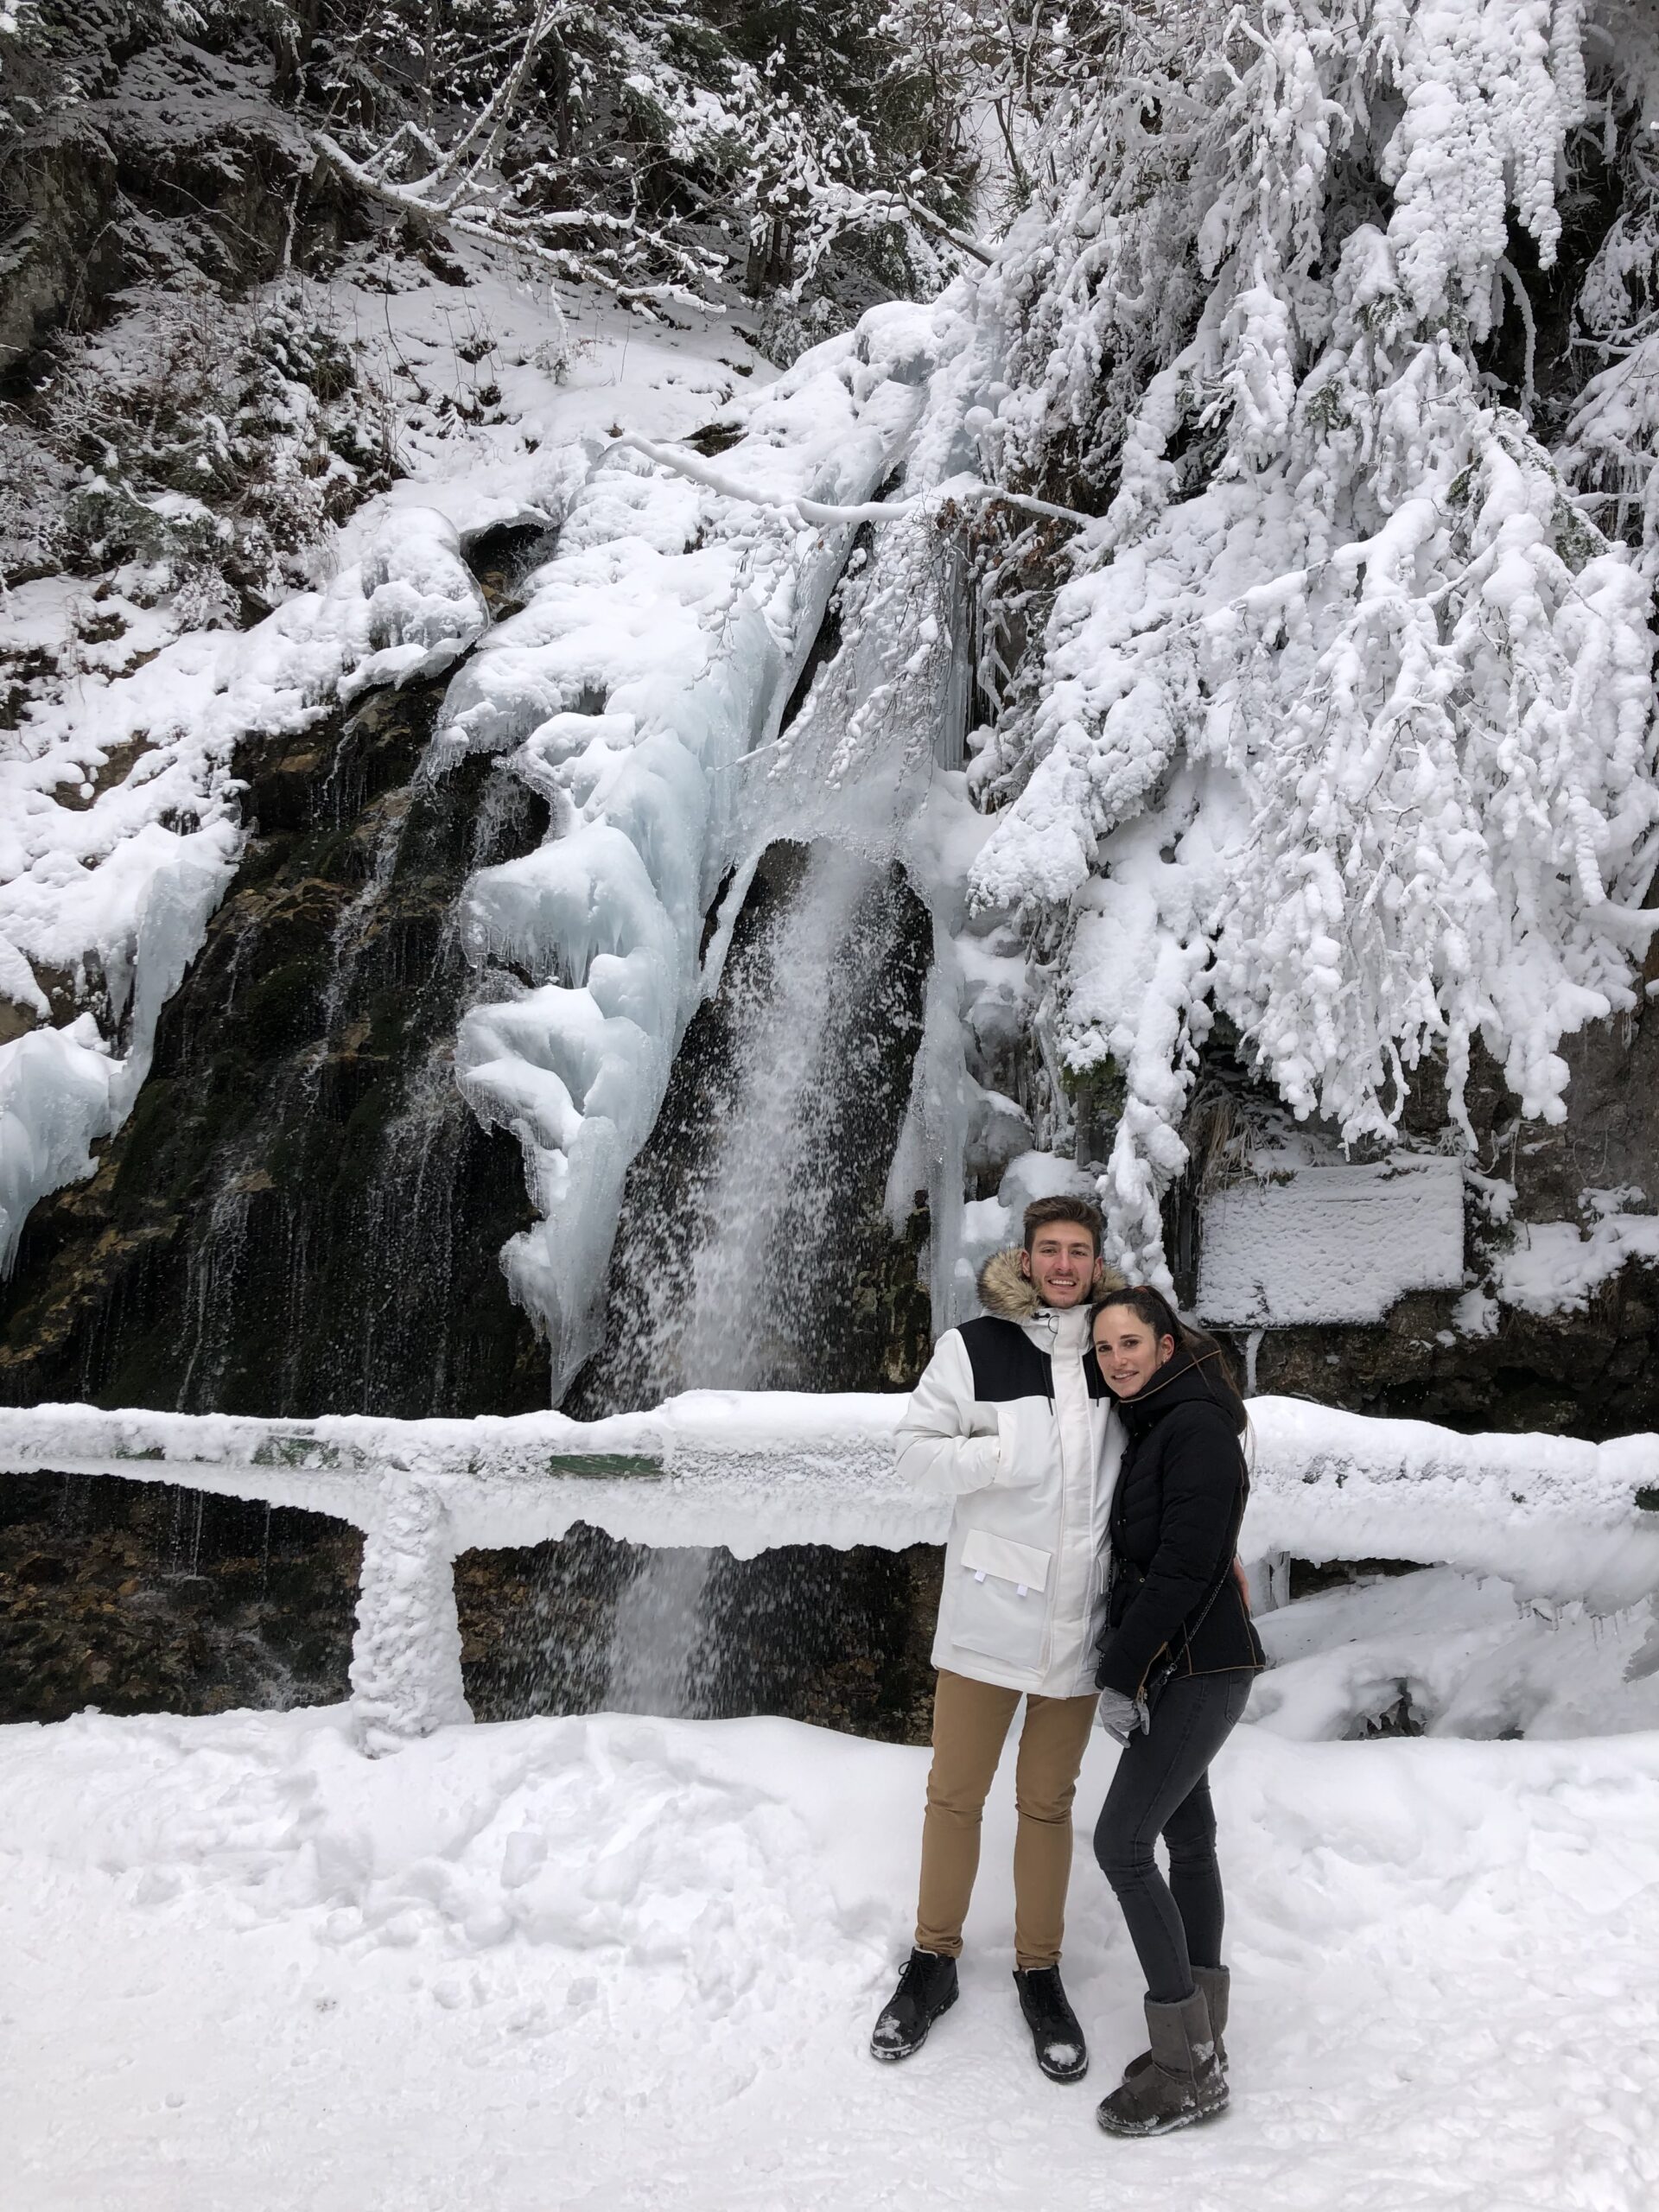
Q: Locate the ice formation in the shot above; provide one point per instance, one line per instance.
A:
(649, 670)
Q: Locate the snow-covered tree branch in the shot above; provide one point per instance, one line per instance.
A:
(1343, 727)
(759, 171)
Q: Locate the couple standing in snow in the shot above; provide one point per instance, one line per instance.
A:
(1091, 1444)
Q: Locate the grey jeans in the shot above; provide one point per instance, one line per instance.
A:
(1162, 1788)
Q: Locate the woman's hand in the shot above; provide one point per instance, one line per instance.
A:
(1119, 1716)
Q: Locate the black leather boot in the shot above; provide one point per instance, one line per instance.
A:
(927, 1987)
(1061, 2052)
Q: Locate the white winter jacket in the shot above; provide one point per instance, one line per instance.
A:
(1012, 1420)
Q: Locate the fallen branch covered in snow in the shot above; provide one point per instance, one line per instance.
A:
(492, 225)
(960, 491)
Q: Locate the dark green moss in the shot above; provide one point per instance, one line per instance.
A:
(284, 1003)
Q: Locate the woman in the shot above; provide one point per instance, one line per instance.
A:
(1177, 1657)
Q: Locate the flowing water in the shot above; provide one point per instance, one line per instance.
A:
(753, 1247)
(302, 1215)
(746, 1227)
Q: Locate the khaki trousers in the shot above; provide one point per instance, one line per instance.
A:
(970, 1722)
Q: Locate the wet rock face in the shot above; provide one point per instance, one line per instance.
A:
(138, 1597)
(838, 1638)
(1590, 1374)
(809, 1286)
(301, 1214)
(1610, 1139)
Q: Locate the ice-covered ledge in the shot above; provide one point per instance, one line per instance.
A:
(747, 1468)
(1558, 1518)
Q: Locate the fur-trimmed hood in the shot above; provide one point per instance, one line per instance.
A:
(1012, 1296)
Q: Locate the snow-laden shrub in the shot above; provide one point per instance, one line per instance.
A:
(215, 444)
(1612, 437)
(1342, 721)
(658, 153)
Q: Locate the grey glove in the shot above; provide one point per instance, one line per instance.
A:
(1119, 1716)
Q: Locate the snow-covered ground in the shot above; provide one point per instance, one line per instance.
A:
(620, 1963)
(1454, 1655)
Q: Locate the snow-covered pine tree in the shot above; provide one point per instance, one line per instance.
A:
(1342, 722)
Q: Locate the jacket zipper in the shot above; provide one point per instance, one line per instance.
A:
(1140, 1689)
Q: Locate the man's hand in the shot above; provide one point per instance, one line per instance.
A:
(1243, 1580)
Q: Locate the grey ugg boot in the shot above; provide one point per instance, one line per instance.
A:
(1183, 2084)
(1213, 1985)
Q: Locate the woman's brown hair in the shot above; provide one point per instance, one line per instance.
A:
(1152, 1307)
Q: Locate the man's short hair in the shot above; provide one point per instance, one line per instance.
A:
(1043, 1212)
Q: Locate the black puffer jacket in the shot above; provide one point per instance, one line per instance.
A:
(1173, 1530)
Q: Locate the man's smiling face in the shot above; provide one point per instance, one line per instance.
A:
(1061, 1264)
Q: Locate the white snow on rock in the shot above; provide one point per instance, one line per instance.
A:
(113, 886)
(1461, 1654)
(616, 1965)
(1556, 1267)
(1325, 1245)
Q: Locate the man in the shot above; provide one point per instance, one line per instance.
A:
(1012, 1420)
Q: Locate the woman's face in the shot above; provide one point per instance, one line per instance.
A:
(1128, 1353)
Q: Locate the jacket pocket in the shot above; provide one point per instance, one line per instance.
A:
(1001, 1600)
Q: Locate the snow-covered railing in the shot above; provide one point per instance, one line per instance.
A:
(1557, 1518)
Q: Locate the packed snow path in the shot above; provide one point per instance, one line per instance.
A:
(623, 1963)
